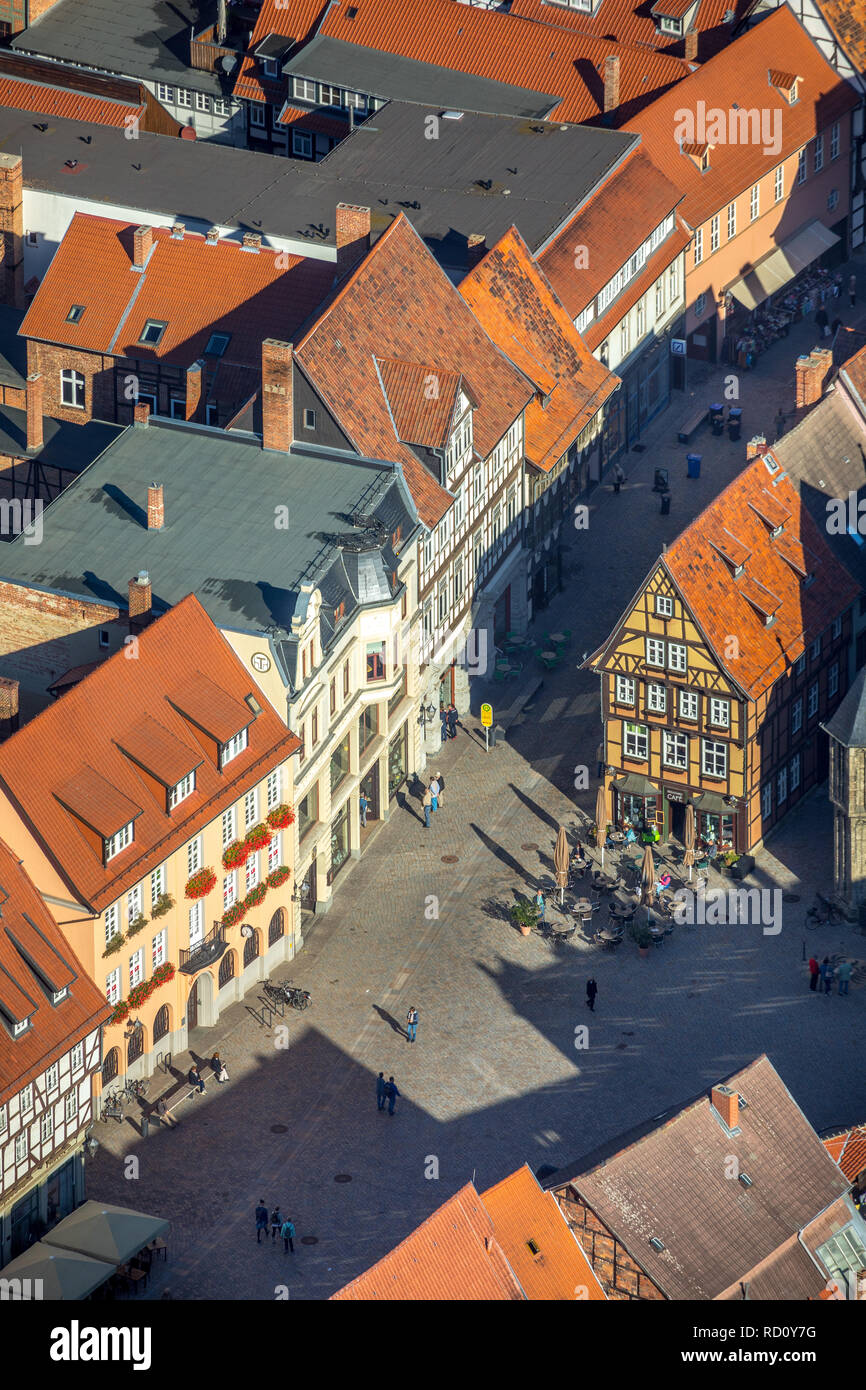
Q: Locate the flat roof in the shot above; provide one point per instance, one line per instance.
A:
(396, 77)
(483, 174)
(148, 39)
(66, 445)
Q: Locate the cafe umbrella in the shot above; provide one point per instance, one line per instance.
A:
(560, 863)
(601, 819)
(689, 835)
(647, 879)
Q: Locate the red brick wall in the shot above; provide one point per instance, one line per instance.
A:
(11, 230)
(43, 635)
(50, 359)
(619, 1275)
(15, 396)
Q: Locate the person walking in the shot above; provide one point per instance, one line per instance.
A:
(541, 905)
(618, 478)
(195, 1079)
(827, 975)
(434, 792)
(276, 1223)
(780, 423)
(392, 1094)
(844, 971)
(852, 290)
(835, 326)
(814, 973)
(440, 782)
(287, 1231)
(261, 1220)
(591, 992)
(380, 1090)
(412, 1024)
(452, 720)
(837, 285)
(363, 803)
(427, 803)
(822, 322)
(443, 722)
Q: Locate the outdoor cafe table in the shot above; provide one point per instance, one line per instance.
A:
(582, 905)
(558, 637)
(607, 935)
(549, 656)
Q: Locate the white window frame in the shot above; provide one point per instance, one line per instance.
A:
(251, 807)
(157, 884)
(258, 115)
(732, 219)
(230, 890)
(229, 826)
(21, 1146)
(625, 690)
(303, 89)
(302, 146)
(158, 946)
(72, 389)
(634, 738)
(664, 606)
(795, 772)
(714, 758)
(656, 698)
(678, 657)
(698, 245)
(714, 233)
(164, 92)
(818, 154)
(136, 967)
(274, 788)
(184, 96)
(834, 141)
(802, 166)
(222, 106)
(194, 857)
(181, 790)
(196, 924)
(112, 986)
(779, 183)
(675, 750)
(235, 746)
(46, 1127)
(275, 852)
(26, 1099)
(813, 700)
(833, 680)
(836, 629)
(251, 872)
(4, 1120)
(655, 652)
(111, 919)
(76, 1057)
(754, 202)
(70, 1106)
(119, 841)
(720, 712)
(52, 1077)
(133, 903)
(797, 714)
(781, 786)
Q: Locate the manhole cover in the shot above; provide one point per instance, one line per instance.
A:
(529, 846)
(343, 1177)
(790, 897)
(450, 858)
(309, 1240)
(279, 1129)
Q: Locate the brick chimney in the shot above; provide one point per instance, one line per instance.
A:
(476, 249)
(194, 377)
(155, 507)
(252, 241)
(140, 595)
(11, 230)
(611, 82)
(142, 241)
(35, 389)
(213, 236)
(8, 706)
(353, 235)
(727, 1103)
(177, 230)
(141, 413)
(277, 402)
(690, 46)
(810, 373)
(756, 445)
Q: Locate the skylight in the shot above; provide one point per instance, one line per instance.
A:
(217, 344)
(151, 334)
(75, 313)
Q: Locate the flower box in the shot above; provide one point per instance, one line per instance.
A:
(200, 884)
(233, 914)
(236, 854)
(163, 973)
(278, 876)
(139, 994)
(114, 945)
(256, 895)
(163, 904)
(280, 817)
(257, 837)
(121, 1011)
(136, 925)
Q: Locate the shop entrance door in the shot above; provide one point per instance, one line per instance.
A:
(677, 812)
(192, 1009)
(370, 788)
(308, 888)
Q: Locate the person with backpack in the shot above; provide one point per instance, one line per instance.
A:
(276, 1223)
(287, 1231)
(844, 971)
(261, 1220)
(411, 1024)
(827, 975)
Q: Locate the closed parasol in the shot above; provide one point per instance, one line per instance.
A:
(560, 862)
(601, 819)
(647, 877)
(689, 856)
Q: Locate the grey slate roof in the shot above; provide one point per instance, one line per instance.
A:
(67, 446)
(221, 540)
(13, 350)
(148, 39)
(848, 725)
(387, 165)
(395, 77)
(825, 456)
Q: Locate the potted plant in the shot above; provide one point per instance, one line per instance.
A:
(729, 858)
(114, 945)
(136, 924)
(642, 936)
(280, 817)
(163, 904)
(257, 837)
(592, 834)
(236, 854)
(524, 915)
(200, 884)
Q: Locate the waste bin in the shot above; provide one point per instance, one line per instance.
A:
(735, 422)
(145, 1126)
(666, 504)
(717, 418)
(661, 482)
(693, 463)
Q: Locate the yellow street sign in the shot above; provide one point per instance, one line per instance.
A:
(486, 716)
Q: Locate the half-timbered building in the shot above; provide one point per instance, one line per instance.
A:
(717, 676)
(50, 1047)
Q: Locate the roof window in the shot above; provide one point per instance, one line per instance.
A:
(75, 313)
(217, 344)
(151, 334)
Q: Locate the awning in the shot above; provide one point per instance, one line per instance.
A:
(106, 1232)
(63, 1274)
(781, 266)
(634, 784)
(712, 802)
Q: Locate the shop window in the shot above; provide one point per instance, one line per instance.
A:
(340, 763)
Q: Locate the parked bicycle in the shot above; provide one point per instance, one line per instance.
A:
(822, 911)
(134, 1090)
(288, 993)
(112, 1108)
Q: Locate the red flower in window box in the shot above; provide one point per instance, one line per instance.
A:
(121, 1011)
(235, 854)
(200, 884)
(233, 914)
(139, 994)
(256, 895)
(257, 837)
(278, 876)
(163, 973)
(280, 817)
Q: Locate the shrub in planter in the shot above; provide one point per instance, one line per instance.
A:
(257, 837)
(233, 914)
(524, 915)
(278, 876)
(163, 904)
(137, 924)
(114, 945)
(280, 817)
(236, 854)
(256, 895)
(641, 935)
(200, 884)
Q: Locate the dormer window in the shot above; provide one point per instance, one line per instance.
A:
(670, 26)
(19, 1028)
(119, 841)
(270, 67)
(235, 745)
(787, 84)
(151, 334)
(181, 790)
(58, 994)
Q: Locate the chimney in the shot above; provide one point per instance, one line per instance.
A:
(611, 82)
(155, 507)
(221, 24)
(690, 46)
(8, 706)
(142, 241)
(277, 404)
(252, 241)
(35, 387)
(810, 373)
(141, 413)
(11, 230)
(193, 390)
(476, 249)
(140, 595)
(727, 1103)
(213, 236)
(353, 236)
(756, 445)
(177, 230)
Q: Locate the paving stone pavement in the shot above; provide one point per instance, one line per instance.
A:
(495, 1078)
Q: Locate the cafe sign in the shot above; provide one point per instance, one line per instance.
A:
(675, 796)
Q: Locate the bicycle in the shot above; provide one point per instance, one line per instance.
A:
(288, 993)
(134, 1090)
(822, 911)
(112, 1108)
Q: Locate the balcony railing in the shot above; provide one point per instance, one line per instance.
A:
(204, 953)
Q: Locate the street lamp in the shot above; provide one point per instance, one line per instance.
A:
(427, 715)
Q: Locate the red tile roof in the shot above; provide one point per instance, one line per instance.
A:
(848, 1149)
(421, 399)
(848, 22)
(51, 763)
(739, 74)
(557, 1270)
(636, 198)
(719, 601)
(657, 263)
(632, 22)
(514, 303)
(74, 106)
(399, 303)
(35, 957)
(295, 20)
(194, 287)
(314, 122)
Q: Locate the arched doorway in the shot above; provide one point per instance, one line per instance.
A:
(227, 968)
(135, 1045)
(161, 1024)
(252, 948)
(110, 1066)
(277, 926)
(200, 1003)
